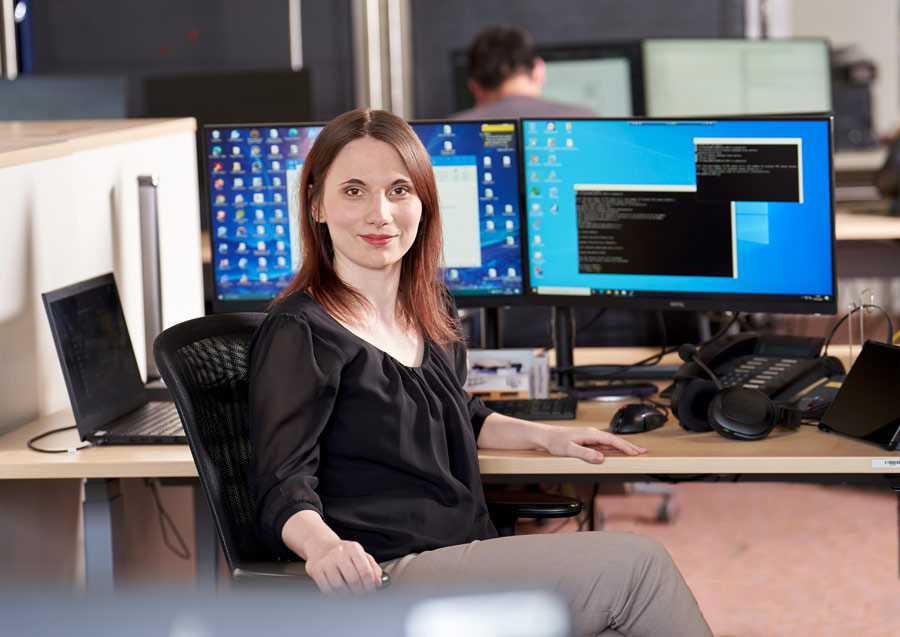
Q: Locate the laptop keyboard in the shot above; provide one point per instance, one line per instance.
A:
(150, 420)
(556, 408)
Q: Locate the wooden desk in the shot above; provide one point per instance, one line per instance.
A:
(787, 454)
(850, 226)
(672, 450)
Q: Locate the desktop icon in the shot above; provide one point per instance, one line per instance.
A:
(276, 181)
(259, 197)
(242, 246)
(279, 213)
(273, 133)
(260, 230)
(255, 151)
(238, 182)
(240, 214)
(218, 167)
(274, 150)
(216, 134)
(235, 150)
(261, 246)
(487, 162)
(488, 178)
(220, 198)
(257, 182)
(263, 277)
(262, 262)
(507, 161)
(259, 213)
(292, 132)
(448, 145)
(239, 199)
(276, 165)
(242, 263)
(489, 209)
(220, 215)
(219, 184)
(277, 197)
(216, 151)
(235, 135)
(254, 133)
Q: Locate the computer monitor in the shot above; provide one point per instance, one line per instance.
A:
(476, 166)
(250, 175)
(606, 78)
(714, 77)
(697, 214)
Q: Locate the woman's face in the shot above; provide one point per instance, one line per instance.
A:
(370, 207)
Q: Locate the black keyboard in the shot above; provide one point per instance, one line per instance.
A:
(557, 408)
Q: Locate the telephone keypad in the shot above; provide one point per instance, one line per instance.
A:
(768, 374)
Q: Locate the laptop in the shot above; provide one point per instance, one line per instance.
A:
(102, 377)
(866, 405)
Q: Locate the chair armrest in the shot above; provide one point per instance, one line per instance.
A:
(290, 573)
(505, 507)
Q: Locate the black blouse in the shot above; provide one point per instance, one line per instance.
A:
(384, 452)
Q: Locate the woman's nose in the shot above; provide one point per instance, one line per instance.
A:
(381, 211)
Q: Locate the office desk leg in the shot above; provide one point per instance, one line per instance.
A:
(206, 542)
(103, 516)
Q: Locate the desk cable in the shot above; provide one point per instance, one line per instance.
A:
(31, 442)
(165, 519)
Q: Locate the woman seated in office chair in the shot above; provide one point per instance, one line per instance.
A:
(364, 442)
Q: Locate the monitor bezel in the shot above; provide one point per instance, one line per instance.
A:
(222, 306)
(703, 302)
(494, 300)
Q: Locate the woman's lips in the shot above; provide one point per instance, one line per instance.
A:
(377, 239)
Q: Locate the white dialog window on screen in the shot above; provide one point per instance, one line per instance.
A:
(457, 187)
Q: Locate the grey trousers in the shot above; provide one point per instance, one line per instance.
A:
(618, 581)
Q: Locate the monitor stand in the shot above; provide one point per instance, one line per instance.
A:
(636, 379)
(491, 328)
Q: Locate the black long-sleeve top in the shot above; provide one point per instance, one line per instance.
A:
(384, 452)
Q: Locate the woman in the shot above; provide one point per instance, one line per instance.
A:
(364, 441)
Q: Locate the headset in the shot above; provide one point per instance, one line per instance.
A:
(734, 412)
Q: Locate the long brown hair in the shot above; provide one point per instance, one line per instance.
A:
(421, 296)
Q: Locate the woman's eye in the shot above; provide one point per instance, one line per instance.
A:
(353, 192)
(401, 190)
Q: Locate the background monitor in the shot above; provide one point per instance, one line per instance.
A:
(606, 78)
(476, 165)
(249, 172)
(699, 214)
(710, 76)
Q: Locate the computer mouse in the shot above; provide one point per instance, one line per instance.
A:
(635, 418)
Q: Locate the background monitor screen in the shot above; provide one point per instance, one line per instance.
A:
(727, 214)
(476, 166)
(607, 78)
(686, 77)
(250, 172)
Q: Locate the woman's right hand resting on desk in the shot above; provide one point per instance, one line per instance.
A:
(335, 565)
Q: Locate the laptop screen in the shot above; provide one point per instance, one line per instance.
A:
(95, 351)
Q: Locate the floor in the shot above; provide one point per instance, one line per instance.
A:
(772, 559)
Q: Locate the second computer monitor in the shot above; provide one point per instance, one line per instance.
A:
(476, 166)
(717, 76)
(726, 214)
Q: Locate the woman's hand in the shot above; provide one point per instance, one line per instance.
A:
(335, 565)
(503, 432)
(341, 566)
(576, 442)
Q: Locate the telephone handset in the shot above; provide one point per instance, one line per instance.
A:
(777, 366)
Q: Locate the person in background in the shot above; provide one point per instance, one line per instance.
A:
(506, 78)
(364, 442)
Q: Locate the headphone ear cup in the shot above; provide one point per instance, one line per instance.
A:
(742, 414)
(690, 403)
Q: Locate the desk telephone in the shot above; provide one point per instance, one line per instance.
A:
(769, 370)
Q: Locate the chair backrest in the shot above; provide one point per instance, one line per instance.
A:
(204, 362)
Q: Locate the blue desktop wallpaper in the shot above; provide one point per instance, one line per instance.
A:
(248, 170)
(255, 250)
(780, 248)
(490, 149)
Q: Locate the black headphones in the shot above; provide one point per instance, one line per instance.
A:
(733, 412)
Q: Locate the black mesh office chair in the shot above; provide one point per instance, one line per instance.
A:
(203, 362)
